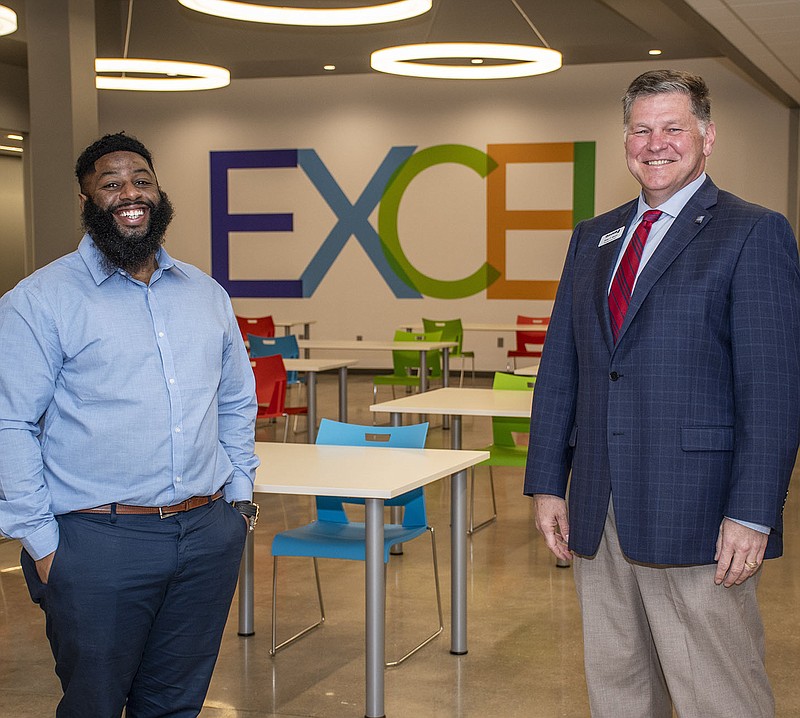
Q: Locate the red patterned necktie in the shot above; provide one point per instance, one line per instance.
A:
(620, 295)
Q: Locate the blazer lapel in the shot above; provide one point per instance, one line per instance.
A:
(604, 266)
(693, 217)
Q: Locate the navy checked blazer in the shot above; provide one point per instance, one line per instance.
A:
(694, 415)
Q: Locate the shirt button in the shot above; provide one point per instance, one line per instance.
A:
(179, 478)
(161, 334)
(177, 429)
(171, 381)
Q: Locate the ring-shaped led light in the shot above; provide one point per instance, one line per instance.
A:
(173, 76)
(403, 60)
(8, 20)
(317, 17)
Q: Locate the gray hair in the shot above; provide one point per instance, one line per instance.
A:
(656, 82)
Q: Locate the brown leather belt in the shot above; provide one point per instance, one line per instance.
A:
(163, 511)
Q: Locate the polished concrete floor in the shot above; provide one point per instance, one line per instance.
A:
(525, 646)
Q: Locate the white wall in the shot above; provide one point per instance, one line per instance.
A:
(353, 121)
(12, 223)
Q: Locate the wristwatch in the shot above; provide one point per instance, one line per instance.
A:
(249, 510)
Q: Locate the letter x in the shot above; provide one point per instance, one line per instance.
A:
(353, 220)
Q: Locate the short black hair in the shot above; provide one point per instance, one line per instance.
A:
(118, 142)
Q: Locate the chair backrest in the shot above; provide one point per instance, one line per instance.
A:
(504, 427)
(337, 433)
(532, 341)
(513, 382)
(451, 329)
(403, 361)
(286, 346)
(262, 326)
(270, 376)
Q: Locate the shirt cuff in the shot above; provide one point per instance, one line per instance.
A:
(43, 541)
(239, 488)
(757, 527)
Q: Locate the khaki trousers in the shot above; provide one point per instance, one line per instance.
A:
(656, 636)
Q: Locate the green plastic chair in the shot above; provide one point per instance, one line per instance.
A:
(452, 331)
(406, 364)
(503, 451)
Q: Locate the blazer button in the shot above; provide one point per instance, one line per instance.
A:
(613, 376)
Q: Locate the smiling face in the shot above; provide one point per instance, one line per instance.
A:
(664, 145)
(124, 185)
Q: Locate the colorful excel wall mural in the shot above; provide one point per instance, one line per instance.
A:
(384, 192)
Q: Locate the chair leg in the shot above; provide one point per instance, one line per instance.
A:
(392, 664)
(275, 645)
(472, 526)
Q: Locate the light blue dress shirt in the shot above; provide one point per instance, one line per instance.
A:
(670, 210)
(116, 391)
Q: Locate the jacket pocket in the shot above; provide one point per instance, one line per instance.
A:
(707, 438)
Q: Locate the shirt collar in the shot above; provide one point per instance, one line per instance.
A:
(674, 204)
(93, 259)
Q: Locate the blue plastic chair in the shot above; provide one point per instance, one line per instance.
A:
(333, 535)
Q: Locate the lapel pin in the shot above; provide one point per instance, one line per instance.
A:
(700, 219)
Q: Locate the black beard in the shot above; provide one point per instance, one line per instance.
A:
(131, 252)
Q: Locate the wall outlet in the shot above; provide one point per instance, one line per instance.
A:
(359, 337)
(499, 342)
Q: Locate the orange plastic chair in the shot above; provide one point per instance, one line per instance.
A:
(263, 326)
(270, 375)
(529, 343)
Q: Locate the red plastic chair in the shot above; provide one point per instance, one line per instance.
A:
(529, 343)
(270, 375)
(263, 326)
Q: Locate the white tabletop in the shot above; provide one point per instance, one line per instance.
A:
(531, 370)
(317, 364)
(463, 402)
(487, 327)
(292, 322)
(360, 471)
(353, 344)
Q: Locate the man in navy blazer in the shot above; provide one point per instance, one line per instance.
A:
(681, 432)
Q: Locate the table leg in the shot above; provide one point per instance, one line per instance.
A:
(306, 335)
(376, 609)
(311, 389)
(458, 551)
(423, 371)
(396, 512)
(246, 627)
(343, 393)
(445, 382)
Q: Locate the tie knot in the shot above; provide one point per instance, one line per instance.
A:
(651, 216)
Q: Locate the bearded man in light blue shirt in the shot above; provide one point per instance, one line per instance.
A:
(127, 412)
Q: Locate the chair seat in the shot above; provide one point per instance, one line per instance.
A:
(522, 353)
(346, 541)
(505, 455)
(396, 380)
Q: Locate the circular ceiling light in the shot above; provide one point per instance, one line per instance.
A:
(171, 76)
(8, 20)
(317, 17)
(403, 60)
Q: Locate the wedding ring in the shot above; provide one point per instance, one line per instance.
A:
(751, 565)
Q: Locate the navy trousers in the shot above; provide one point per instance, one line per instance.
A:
(135, 608)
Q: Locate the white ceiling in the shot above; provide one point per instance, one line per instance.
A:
(760, 36)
